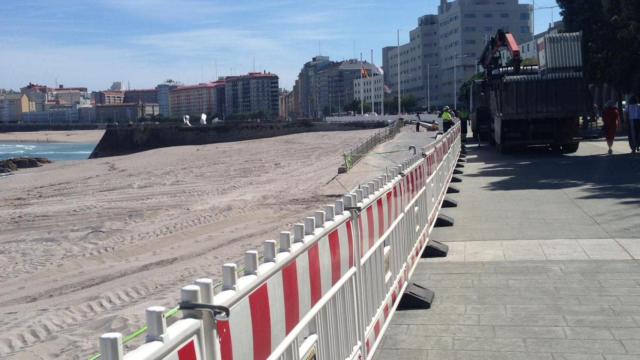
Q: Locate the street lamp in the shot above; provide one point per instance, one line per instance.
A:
(455, 78)
(429, 85)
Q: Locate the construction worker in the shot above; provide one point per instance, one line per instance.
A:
(447, 119)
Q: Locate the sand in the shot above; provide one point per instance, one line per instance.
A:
(75, 136)
(86, 246)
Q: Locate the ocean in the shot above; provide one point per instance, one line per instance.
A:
(50, 150)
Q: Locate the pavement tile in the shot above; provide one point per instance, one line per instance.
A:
(597, 321)
(482, 344)
(523, 250)
(451, 331)
(588, 333)
(632, 246)
(604, 249)
(517, 320)
(401, 354)
(626, 333)
(398, 342)
(486, 355)
(575, 346)
(578, 357)
(563, 250)
(632, 346)
(522, 332)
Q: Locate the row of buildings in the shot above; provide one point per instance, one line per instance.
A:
(440, 56)
(247, 96)
(444, 48)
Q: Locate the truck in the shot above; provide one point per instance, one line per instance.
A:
(518, 106)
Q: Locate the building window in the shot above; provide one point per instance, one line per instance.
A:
(488, 16)
(470, 16)
(524, 16)
(504, 16)
(488, 28)
(524, 29)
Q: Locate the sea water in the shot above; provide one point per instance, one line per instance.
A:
(50, 150)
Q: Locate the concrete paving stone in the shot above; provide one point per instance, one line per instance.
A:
(619, 283)
(485, 355)
(484, 251)
(626, 333)
(578, 357)
(563, 250)
(396, 329)
(404, 342)
(599, 300)
(483, 344)
(486, 309)
(451, 331)
(401, 354)
(632, 346)
(575, 346)
(518, 320)
(433, 318)
(620, 291)
(596, 321)
(561, 309)
(632, 246)
(484, 282)
(588, 333)
(626, 309)
(604, 249)
(616, 276)
(620, 357)
(629, 300)
(522, 332)
(456, 268)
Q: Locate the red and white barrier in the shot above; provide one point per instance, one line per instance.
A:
(329, 288)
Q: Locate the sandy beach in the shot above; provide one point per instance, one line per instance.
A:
(75, 136)
(87, 246)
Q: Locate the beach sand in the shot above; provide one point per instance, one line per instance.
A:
(86, 246)
(75, 136)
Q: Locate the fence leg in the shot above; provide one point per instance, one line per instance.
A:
(211, 349)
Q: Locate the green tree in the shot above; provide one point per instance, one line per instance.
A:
(611, 44)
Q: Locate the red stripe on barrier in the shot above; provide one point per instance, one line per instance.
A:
(224, 333)
(291, 296)
(260, 323)
(370, 225)
(314, 274)
(361, 235)
(386, 311)
(394, 297)
(380, 218)
(390, 210)
(188, 352)
(395, 201)
(334, 247)
(376, 329)
(350, 236)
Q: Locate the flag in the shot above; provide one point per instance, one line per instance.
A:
(387, 90)
(364, 73)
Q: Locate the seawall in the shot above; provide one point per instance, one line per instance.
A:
(128, 140)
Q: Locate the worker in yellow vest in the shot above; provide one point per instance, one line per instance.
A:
(447, 119)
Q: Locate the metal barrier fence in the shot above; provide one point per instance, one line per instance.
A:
(326, 290)
(354, 155)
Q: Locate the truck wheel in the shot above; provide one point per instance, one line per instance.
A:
(570, 148)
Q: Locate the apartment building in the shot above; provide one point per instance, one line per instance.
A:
(370, 89)
(443, 50)
(251, 94)
(195, 100)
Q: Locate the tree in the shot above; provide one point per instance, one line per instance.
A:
(611, 44)
(409, 103)
(464, 92)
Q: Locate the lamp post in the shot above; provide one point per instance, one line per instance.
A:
(429, 86)
(455, 78)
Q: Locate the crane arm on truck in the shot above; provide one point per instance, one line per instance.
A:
(490, 58)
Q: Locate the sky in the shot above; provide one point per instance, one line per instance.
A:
(144, 42)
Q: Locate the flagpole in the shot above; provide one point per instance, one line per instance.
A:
(372, 79)
(361, 86)
(399, 93)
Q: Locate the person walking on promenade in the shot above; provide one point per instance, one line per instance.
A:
(633, 114)
(611, 118)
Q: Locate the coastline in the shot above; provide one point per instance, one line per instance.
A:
(74, 136)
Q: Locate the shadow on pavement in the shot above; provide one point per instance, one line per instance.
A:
(601, 176)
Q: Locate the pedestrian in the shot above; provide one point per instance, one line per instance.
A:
(447, 119)
(611, 118)
(633, 114)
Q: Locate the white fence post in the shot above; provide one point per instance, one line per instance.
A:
(211, 349)
(111, 346)
(156, 323)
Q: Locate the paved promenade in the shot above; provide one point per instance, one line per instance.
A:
(542, 262)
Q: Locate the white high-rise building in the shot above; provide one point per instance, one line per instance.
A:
(448, 45)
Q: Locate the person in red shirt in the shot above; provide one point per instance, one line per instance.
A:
(611, 117)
